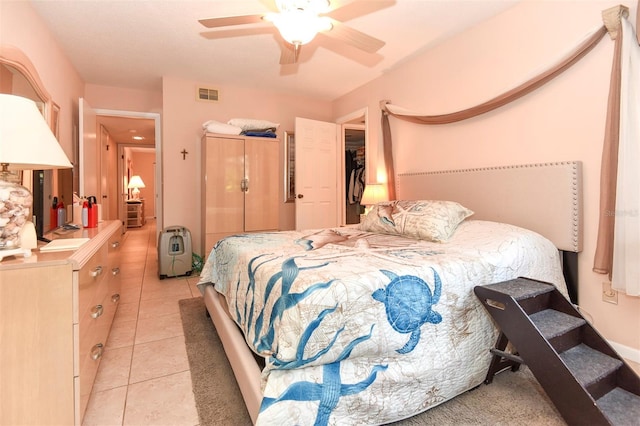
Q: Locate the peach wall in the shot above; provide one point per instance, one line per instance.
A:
(182, 120)
(22, 27)
(123, 99)
(562, 121)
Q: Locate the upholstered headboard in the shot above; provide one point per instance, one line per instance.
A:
(546, 198)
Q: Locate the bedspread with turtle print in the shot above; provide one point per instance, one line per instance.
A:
(362, 328)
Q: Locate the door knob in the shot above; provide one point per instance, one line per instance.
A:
(300, 196)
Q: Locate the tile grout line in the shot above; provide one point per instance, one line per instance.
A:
(133, 348)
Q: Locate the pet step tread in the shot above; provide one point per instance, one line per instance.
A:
(521, 288)
(552, 323)
(589, 365)
(620, 407)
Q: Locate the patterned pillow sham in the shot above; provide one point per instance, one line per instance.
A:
(430, 220)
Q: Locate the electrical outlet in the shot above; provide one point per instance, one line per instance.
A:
(609, 295)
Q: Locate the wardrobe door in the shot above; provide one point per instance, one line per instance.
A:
(263, 189)
(223, 196)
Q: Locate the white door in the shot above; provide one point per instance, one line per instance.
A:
(316, 174)
(88, 150)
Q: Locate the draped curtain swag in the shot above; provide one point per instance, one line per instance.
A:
(603, 259)
(612, 17)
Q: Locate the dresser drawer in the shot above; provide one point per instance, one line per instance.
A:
(93, 292)
(90, 276)
(88, 369)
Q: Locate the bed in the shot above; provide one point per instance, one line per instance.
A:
(378, 322)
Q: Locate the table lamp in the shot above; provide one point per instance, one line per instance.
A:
(135, 183)
(26, 143)
(373, 194)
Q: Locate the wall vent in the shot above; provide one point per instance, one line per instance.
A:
(207, 94)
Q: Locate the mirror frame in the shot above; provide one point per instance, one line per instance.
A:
(13, 57)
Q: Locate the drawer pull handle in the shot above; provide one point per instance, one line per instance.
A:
(97, 271)
(115, 244)
(97, 311)
(115, 298)
(96, 351)
(115, 271)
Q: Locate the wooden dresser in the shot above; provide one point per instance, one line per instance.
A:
(56, 310)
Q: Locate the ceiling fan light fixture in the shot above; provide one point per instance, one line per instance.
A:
(299, 26)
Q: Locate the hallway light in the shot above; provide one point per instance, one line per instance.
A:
(136, 183)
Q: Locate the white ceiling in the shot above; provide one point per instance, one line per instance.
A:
(133, 43)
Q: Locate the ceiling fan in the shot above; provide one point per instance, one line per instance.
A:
(298, 22)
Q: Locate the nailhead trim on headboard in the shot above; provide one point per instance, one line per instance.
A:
(569, 181)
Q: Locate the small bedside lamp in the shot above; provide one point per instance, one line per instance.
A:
(373, 194)
(26, 143)
(135, 183)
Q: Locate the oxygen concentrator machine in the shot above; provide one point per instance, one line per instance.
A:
(174, 252)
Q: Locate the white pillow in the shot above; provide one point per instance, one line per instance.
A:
(247, 124)
(213, 126)
(430, 220)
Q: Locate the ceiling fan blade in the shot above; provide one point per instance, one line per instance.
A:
(354, 37)
(221, 33)
(288, 53)
(231, 20)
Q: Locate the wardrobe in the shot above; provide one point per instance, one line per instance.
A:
(240, 186)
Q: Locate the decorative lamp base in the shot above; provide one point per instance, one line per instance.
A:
(15, 205)
(28, 239)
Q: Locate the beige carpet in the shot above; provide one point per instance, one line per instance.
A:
(512, 398)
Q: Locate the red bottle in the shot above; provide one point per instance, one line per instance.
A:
(93, 211)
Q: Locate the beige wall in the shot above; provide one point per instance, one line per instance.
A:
(562, 121)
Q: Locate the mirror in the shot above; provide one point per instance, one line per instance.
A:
(19, 77)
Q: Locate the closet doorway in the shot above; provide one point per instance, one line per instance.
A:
(355, 171)
(353, 137)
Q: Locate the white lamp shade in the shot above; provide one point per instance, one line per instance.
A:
(26, 141)
(374, 193)
(136, 182)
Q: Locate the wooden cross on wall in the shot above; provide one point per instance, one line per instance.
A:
(184, 153)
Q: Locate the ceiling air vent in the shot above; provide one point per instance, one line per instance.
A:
(207, 94)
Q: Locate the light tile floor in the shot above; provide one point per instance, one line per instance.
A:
(144, 376)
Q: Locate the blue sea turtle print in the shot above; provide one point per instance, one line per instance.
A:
(409, 304)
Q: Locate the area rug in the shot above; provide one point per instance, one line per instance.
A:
(512, 398)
